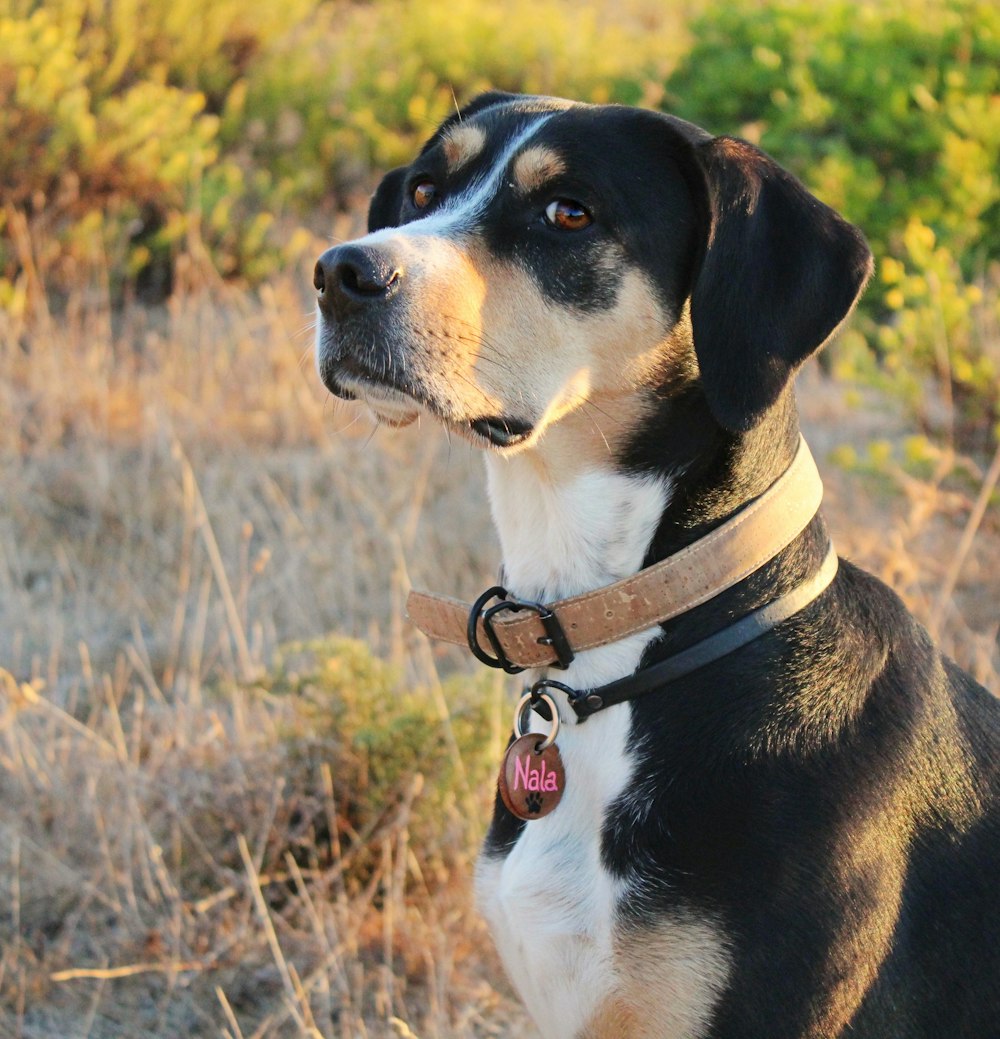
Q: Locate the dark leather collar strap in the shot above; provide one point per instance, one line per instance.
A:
(742, 545)
(586, 702)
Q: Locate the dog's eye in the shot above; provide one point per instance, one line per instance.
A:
(424, 194)
(567, 215)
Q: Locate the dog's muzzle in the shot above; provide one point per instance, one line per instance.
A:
(355, 286)
(366, 346)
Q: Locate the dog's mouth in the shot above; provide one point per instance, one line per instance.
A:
(501, 430)
(386, 399)
(339, 391)
(349, 380)
(392, 405)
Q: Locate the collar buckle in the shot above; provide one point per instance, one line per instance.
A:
(554, 637)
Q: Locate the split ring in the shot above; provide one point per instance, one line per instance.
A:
(523, 705)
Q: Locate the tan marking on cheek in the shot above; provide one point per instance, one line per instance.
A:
(670, 978)
(582, 379)
(594, 435)
(457, 360)
(461, 145)
(486, 318)
(534, 166)
(635, 344)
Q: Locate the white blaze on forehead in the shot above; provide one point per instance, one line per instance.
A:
(458, 212)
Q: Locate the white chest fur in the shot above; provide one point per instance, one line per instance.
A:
(550, 903)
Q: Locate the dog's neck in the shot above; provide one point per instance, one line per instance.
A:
(573, 517)
(569, 532)
(583, 508)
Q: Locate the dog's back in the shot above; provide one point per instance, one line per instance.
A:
(863, 881)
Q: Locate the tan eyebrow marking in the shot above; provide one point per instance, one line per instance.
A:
(534, 166)
(462, 144)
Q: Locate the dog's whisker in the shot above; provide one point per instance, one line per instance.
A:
(588, 407)
(477, 331)
(371, 435)
(305, 358)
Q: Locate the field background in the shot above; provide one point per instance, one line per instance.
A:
(238, 795)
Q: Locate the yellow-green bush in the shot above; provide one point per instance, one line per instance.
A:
(136, 129)
(383, 738)
(88, 160)
(110, 117)
(891, 113)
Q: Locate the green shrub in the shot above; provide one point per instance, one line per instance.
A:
(384, 738)
(136, 130)
(891, 114)
(109, 114)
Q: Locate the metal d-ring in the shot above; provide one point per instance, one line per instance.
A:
(523, 705)
(472, 634)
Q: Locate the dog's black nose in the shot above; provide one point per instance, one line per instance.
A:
(351, 277)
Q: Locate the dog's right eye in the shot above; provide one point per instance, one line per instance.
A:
(424, 194)
(567, 215)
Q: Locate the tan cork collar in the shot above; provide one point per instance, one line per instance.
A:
(690, 577)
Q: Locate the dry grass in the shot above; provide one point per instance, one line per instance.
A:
(178, 850)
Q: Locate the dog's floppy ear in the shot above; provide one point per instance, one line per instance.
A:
(780, 272)
(387, 202)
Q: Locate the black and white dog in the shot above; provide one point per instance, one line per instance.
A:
(802, 838)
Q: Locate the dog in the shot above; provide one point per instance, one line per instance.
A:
(799, 836)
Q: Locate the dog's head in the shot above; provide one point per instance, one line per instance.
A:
(539, 254)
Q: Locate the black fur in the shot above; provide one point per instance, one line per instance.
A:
(830, 794)
(780, 273)
(384, 208)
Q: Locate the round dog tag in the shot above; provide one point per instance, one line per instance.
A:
(531, 780)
